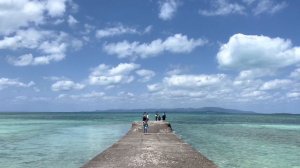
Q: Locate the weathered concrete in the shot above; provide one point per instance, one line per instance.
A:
(159, 148)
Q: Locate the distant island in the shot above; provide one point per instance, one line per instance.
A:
(208, 110)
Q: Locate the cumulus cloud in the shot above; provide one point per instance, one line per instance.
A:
(120, 30)
(29, 59)
(66, 85)
(245, 52)
(223, 7)
(276, 84)
(21, 30)
(56, 8)
(212, 87)
(7, 82)
(168, 9)
(193, 81)
(29, 38)
(255, 73)
(145, 74)
(188, 85)
(21, 13)
(107, 75)
(51, 45)
(175, 44)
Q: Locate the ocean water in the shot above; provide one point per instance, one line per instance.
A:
(69, 140)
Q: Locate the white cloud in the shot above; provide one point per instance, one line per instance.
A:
(258, 95)
(176, 44)
(120, 30)
(56, 45)
(276, 84)
(66, 85)
(114, 31)
(293, 95)
(223, 7)
(21, 13)
(51, 45)
(84, 96)
(22, 60)
(193, 81)
(268, 6)
(295, 74)
(29, 39)
(256, 7)
(191, 87)
(21, 19)
(56, 8)
(58, 21)
(28, 59)
(154, 87)
(6, 82)
(72, 21)
(211, 87)
(244, 52)
(145, 74)
(106, 75)
(168, 9)
(255, 73)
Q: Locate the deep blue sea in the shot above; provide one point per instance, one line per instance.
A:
(68, 140)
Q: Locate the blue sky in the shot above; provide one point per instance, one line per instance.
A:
(68, 55)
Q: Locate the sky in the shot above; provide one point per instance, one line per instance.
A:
(71, 55)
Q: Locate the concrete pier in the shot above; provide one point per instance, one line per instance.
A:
(160, 147)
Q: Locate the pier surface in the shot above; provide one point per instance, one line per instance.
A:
(160, 147)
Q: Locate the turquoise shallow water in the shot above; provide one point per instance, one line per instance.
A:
(70, 139)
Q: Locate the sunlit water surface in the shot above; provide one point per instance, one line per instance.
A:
(70, 139)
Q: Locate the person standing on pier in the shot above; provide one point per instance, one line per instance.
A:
(164, 116)
(145, 126)
(144, 116)
(145, 122)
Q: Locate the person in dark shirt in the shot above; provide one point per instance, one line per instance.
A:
(164, 116)
(144, 116)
